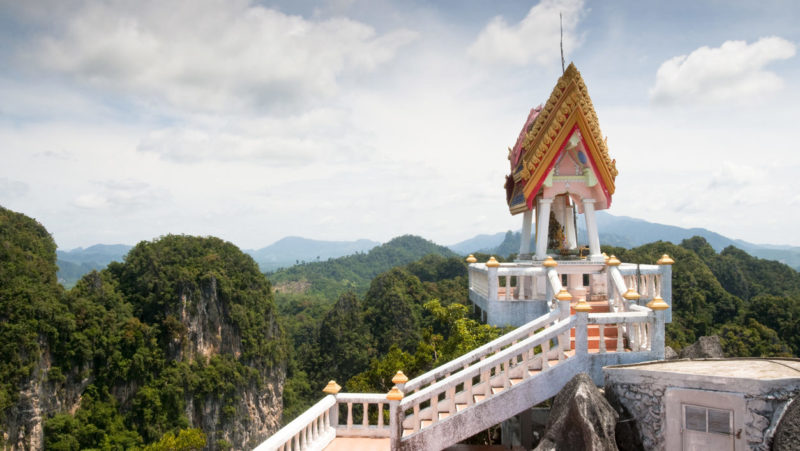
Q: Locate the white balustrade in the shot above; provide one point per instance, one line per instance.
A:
(370, 425)
(313, 430)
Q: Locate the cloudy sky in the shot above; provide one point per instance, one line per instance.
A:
(343, 119)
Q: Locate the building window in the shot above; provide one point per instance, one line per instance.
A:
(703, 419)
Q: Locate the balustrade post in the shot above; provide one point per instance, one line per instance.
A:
(395, 417)
(660, 308)
(581, 330)
(493, 281)
(665, 266)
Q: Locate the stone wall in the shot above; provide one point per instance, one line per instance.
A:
(651, 398)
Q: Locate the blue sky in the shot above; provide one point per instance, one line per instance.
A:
(125, 120)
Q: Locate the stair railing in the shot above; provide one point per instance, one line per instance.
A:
(498, 370)
(498, 344)
(314, 429)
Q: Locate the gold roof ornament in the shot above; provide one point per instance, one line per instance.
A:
(665, 260)
(563, 295)
(332, 388)
(492, 263)
(613, 261)
(569, 108)
(472, 259)
(549, 262)
(657, 304)
(605, 257)
(394, 394)
(582, 306)
(399, 378)
(631, 295)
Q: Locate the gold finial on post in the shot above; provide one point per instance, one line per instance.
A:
(399, 378)
(665, 260)
(605, 258)
(472, 259)
(492, 263)
(631, 295)
(582, 306)
(549, 262)
(613, 261)
(332, 388)
(394, 394)
(657, 304)
(564, 295)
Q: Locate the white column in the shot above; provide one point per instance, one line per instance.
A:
(542, 226)
(591, 228)
(525, 244)
(569, 228)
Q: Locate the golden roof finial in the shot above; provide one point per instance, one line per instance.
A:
(549, 262)
(492, 263)
(472, 259)
(613, 261)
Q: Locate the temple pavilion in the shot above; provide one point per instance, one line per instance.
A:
(560, 165)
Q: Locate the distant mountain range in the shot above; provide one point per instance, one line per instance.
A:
(283, 253)
(627, 232)
(293, 250)
(622, 231)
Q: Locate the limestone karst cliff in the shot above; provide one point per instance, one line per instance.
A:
(181, 335)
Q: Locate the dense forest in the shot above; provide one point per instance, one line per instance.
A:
(170, 349)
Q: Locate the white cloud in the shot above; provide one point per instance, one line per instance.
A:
(212, 55)
(323, 133)
(126, 194)
(734, 70)
(533, 40)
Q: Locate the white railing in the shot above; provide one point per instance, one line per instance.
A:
(636, 326)
(644, 279)
(479, 382)
(478, 355)
(367, 404)
(479, 279)
(313, 430)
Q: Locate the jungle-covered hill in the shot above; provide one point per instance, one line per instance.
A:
(177, 344)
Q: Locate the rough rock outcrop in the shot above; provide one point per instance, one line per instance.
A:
(626, 431)
(670, 353)
(703, 348)
(787, 435)
(580, 418)
(42, 395)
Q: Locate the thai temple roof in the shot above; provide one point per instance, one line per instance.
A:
(568, 112)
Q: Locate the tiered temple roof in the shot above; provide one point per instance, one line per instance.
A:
(545, 137)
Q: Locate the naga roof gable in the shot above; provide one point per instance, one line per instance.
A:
(569, 109)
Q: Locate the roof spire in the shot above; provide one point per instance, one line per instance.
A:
(561, 27)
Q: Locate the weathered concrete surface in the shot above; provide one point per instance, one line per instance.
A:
(703, 348)
(580, 418)
(787, 435)
(762, 385)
